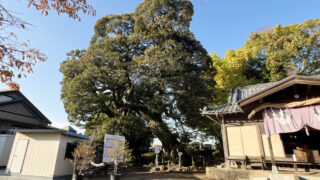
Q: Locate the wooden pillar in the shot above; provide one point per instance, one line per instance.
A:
(225, 142)
(273, 162)
(262, 153)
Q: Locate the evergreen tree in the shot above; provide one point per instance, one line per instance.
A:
(145, 65)
(269, 56)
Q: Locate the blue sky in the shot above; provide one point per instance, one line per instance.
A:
(218, 25)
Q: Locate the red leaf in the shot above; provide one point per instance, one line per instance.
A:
(13, 85)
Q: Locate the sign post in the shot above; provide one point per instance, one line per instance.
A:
(157, 151)
(180, 154)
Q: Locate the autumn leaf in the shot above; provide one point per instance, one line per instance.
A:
(16, 57)
(13, 85)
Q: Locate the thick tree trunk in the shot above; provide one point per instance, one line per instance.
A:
(160, 129)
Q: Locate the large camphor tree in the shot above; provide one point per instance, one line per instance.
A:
(144, 67)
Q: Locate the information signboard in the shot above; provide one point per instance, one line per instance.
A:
(113, 148)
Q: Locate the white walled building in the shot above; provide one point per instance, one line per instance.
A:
(41, 153)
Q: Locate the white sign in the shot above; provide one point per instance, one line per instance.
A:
(113, 147)
(157, 150)
(180, 153)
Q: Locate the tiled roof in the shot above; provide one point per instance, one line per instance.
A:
(17, 108)
(241, 93)
(19, 104)
(235, 95)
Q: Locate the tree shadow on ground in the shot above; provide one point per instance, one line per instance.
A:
(157, 176)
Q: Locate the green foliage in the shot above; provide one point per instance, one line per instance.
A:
(269, 56)
(288, 48)
(144, 66)
(230, 72)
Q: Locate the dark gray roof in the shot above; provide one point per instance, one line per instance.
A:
(240, 93)
(235, 95)
(16, 107)
(19, 104)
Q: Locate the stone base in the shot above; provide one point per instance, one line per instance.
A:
(236, 174)
(275, 170)
(240, 174)
(283, 177)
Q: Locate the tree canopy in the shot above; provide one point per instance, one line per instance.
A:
(144, 65)
(18, 58)
(269, 55)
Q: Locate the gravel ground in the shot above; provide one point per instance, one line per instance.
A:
(137, 175)
(156, 176)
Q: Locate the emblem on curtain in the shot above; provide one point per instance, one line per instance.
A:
(317, 112)
(283, 116)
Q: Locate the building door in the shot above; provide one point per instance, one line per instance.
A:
(18, 156)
